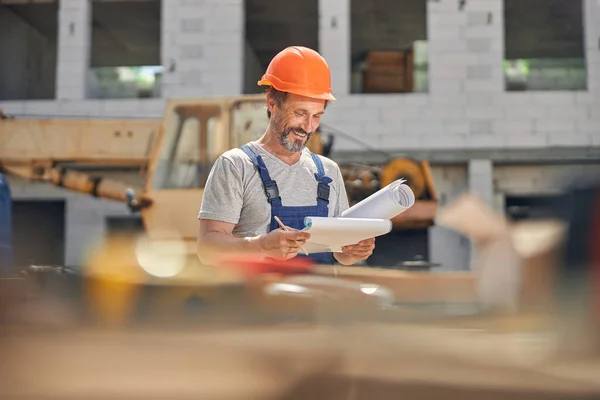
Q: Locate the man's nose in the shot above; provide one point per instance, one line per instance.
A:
(307, 124)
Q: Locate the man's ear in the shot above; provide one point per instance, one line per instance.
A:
(270, 104)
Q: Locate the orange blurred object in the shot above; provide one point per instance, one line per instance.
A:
(251, 266)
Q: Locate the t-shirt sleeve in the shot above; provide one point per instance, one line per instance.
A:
(342, 200)
(223, 193)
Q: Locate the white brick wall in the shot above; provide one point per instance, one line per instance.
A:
(464, 53)
(467, 106)
(122, 108)
(546, 179)
(202, 48)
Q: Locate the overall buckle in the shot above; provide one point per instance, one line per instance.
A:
(323, 192)
(271, 190)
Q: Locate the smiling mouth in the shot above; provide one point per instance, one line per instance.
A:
(300, 134)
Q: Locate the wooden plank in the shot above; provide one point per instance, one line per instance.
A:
(384, 81)
(389, 58)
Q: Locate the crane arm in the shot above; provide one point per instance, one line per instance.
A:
(37, 149)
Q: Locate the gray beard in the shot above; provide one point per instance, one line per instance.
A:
(292, 145)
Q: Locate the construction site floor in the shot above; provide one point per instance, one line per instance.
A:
(287, 361)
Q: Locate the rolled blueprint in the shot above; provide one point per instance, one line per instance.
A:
(331, 234)
(386, 203)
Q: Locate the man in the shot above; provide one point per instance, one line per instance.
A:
(277, 175)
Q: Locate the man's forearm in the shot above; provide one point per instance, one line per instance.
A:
(214, 244)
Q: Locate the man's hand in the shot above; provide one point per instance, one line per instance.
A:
(215, 239)
(282, 245)
(357, 252)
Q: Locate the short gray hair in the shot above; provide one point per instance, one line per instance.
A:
(279, 98)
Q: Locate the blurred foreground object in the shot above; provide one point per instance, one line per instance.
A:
(547, 266)
(5, 227)
(248, 266)
(287, 361)
(579, 274)
(271, 336)
(515, 263)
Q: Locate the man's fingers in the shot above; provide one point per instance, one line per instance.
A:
(358, 252)
(349, 251)
(356, 247)
(360, 256)
(297, 241)
(360, 246)
(299, 236)
(367, 242)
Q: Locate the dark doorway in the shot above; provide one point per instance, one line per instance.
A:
(399, 246)
(533, 207)
(271, 26)
(38, 232)
(28, 50)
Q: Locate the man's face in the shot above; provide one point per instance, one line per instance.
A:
(296, 120)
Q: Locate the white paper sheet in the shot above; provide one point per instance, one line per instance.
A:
(386, 203)
(330, 234)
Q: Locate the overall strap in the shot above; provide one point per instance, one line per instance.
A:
(324, 181)
(271, 189)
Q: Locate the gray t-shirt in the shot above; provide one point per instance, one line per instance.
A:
(234, 192)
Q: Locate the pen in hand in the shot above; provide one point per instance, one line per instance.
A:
(287, 230)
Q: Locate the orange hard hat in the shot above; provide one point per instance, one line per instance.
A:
(301, 71)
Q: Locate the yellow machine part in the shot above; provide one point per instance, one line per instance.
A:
(408, 169)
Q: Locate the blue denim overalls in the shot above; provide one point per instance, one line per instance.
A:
(294, 216)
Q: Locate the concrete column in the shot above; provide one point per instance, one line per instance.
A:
(591, 22)
(466, 50)
(481, 184)
(496, 262)
(466, 46)
(203, 48)
(481, 180)
(74, 47)
(334, 42)
(448, 247)
(84, 228)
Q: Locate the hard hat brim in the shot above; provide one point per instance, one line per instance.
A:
(298, 91)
